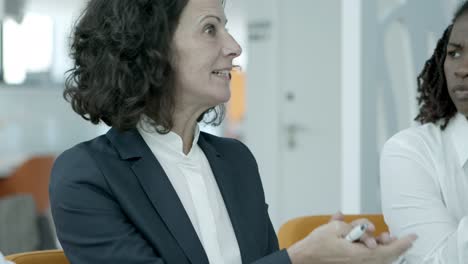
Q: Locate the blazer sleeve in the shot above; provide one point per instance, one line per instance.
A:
(90, 225)
(275, 256)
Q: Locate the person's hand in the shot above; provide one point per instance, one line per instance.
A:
(368, 238)
(326, 244)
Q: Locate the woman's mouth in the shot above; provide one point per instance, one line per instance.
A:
(224, 74)
(461, 92)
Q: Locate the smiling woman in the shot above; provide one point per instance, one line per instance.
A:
(154, 189)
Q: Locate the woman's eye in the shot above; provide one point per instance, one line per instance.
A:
(210, 29)
(453, 54)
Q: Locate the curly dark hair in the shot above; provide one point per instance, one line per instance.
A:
(122, 52)
(434, 100)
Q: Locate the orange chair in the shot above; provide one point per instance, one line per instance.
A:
(39, 257)
(32, 177)
(298, 228)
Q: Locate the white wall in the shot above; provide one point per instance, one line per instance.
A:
(64, 8)
(36, 119)
(262, 128)
(237, 26)
(294, 47)
(384, 45)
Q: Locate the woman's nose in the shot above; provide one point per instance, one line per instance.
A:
(462, 70)
(232, 48)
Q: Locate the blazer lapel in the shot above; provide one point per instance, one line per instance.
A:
(160, 191)
(226, 183)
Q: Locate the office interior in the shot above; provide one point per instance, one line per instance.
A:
(323, 84)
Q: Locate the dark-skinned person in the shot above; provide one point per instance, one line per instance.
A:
(424, 169)
(154, 189)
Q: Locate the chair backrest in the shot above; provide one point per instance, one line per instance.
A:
(31, 177)
(298, 228)
(39, 257)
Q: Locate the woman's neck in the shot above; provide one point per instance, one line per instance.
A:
(184, 126)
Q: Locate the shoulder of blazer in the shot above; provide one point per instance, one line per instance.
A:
(226, 146)
(80, 166)
(99, 146)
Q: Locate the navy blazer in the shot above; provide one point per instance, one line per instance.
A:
(113, 203)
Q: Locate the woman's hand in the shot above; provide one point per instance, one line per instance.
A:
(326, 244)
(368, 238)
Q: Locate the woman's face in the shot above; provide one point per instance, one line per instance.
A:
(203, 53)
(456, 65)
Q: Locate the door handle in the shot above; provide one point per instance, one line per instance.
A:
(292, 130)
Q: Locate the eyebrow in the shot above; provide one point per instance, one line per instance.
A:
(456, 45)
(212, 16)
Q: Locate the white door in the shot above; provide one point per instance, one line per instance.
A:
(293, 124)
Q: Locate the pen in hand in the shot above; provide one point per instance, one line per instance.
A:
(356, 233)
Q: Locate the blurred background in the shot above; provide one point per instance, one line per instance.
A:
(324, 84)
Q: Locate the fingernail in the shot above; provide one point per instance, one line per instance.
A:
(386, 237)
(372, 243)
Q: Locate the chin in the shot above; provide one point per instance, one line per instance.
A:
(215, 100)
(219, 100)
(222, 96)
(225, 99)
(462, 108)
(464, 112)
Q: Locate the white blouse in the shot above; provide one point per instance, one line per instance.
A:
(3, 260)
(194, 182)
(424, 181)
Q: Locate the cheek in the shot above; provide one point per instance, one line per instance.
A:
(189, 69)
(196, 63)
(448, 73)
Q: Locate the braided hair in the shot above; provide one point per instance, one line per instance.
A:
(434, 100)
